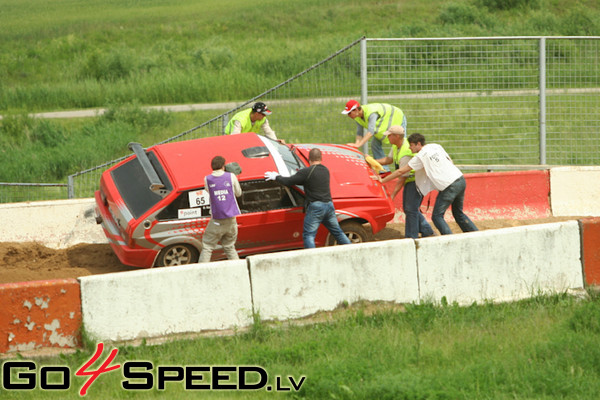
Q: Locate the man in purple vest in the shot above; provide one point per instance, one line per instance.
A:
(223, 187)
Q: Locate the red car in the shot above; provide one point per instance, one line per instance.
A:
(153, 208)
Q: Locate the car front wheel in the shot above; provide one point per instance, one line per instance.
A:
(355, 231)
(177, 254)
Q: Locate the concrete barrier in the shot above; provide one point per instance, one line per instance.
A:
(496, 265)
(39, 314)
(157, 302)
(575, 191)
(55, 224)
(493, 195)
(298, 283)
(509, 195)
(502, 264)
(590, 250)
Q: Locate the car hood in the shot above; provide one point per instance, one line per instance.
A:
(351, 176)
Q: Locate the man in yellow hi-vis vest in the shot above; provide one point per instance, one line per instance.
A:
(251, 120)
(376, 119)
(400, 155)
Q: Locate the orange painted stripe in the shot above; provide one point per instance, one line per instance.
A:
(40, 314)
(590, 243)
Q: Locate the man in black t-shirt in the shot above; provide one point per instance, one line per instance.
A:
(319, 208)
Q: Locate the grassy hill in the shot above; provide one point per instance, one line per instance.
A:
(72, 54)
(69, 54)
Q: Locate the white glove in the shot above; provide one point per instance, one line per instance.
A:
(271, 175)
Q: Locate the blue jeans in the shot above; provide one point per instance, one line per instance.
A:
(318, 213)
(453, 195)
(415, 221)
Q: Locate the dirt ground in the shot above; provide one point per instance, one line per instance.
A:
(24, 262)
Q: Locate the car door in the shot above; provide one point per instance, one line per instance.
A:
(183, 220)
(272, 217)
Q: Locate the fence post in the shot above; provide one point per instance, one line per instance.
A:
(71, 187)
(224, 123)
(364, 98)
(542, 84)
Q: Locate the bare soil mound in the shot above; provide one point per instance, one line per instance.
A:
(27, 261)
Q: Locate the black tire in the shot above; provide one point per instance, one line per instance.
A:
(355, 231)
(177, 254)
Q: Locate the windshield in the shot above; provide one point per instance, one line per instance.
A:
(285, 158)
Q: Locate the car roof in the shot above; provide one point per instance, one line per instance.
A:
(188, 162)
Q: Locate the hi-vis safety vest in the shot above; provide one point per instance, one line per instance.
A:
(388, 116)
(403, 152)
(244, 118)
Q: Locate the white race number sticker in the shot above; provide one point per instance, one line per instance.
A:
(199, 198)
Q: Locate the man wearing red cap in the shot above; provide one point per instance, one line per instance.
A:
(376, 119)
(251, 120)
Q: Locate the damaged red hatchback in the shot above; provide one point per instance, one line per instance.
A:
(153, 207)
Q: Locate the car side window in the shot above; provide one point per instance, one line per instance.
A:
(267, 195)
(180, 207)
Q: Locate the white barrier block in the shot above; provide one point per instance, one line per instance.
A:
(574, 191)
(501, 264)
(55, 224)
(156, 302)
(299, 283)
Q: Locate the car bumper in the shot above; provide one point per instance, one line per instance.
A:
(140, 257)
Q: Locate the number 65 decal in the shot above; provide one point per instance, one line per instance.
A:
(199, 198)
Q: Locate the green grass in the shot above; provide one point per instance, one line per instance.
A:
(123, 55)
(544, 348)
(79, 54)
(36, 150)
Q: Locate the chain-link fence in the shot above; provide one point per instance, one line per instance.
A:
(489, 101)
(19, 192)
(515, 100)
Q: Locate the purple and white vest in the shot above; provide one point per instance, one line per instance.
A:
(222, 197)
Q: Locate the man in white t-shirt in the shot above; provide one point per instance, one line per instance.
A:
(434, 170)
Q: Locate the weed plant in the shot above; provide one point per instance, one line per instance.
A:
(122, 55)
(547, 347)
(80, 54)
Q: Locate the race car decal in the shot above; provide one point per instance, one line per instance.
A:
(189, 213)
(344, 215)
(199, 198)
(281, 167)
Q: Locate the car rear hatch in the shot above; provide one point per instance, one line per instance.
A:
(131, 189)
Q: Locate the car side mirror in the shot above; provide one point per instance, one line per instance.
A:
(233, 167)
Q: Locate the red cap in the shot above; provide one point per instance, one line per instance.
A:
(351, 105)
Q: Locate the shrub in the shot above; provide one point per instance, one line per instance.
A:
(508, 4)
(112, 66)
(463, 14)
(47, 134)
(132, 114)
(15, 129)
(580, 22)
